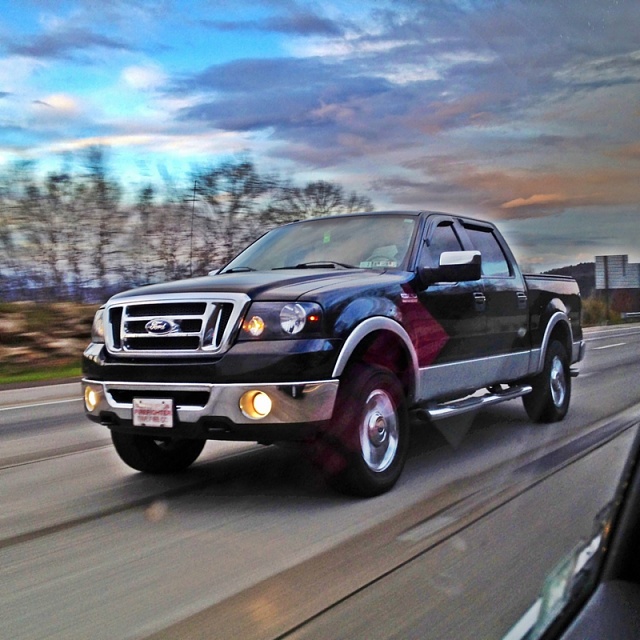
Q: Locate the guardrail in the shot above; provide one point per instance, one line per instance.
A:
(630, 315)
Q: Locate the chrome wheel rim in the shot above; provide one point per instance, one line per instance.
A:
(558, 382)
(379, 431)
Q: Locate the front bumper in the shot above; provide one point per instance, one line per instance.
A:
(213, 410)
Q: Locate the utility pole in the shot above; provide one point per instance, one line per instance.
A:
(606, 287)
(193, 208)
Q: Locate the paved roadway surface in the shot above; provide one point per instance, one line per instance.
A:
(249, 543)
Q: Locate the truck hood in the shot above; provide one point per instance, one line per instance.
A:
(286, 284)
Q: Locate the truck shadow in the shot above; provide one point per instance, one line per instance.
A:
(288, 470)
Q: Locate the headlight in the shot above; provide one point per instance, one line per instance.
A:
(97, 328)
(274, 320)
(293, 317)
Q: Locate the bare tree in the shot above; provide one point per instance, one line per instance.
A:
(100, 198)
(320, 198)
(13, 265)
(67, 235)
(231, 198)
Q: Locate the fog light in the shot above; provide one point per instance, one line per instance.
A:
(91, 398)
(255, 404)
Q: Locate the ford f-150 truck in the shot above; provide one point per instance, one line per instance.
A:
(338, 333)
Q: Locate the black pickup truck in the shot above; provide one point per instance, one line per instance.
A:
(337, 333)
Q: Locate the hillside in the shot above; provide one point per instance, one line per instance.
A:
(584, 274)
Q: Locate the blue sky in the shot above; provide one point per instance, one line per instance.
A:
(524, 112)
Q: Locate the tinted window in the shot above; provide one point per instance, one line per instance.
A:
(443, 239)
(494, 262)
(366, 241)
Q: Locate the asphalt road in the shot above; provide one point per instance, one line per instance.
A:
(250, 543)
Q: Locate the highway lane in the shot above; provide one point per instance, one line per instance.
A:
(482, 578)
(124, 545)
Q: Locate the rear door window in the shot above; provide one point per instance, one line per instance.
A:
(494, 262)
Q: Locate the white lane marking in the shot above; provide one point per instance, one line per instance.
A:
(38, 404)
(607, 335)
(609, 346)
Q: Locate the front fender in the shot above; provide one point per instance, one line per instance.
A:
(367, 327)
(361, 309)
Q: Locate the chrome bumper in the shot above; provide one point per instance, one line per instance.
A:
(293, 402)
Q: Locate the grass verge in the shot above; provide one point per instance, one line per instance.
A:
(17, 374)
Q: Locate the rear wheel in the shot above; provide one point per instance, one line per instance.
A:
(369, 437)
(156, 455)
(549, 400)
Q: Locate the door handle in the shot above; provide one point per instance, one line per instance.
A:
(522, 299)
(480, 300)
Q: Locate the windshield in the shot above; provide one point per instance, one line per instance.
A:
(365, 242)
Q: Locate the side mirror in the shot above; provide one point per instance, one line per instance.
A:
(455, 266)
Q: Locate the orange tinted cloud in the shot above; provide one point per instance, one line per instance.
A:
(527, 193)
(629, 152)
(538, 199)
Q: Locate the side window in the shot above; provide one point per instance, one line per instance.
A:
(442, 239)
(494, 262)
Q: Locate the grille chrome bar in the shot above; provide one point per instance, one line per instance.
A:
(174, 325)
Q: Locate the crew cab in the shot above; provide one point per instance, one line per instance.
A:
(335, 332)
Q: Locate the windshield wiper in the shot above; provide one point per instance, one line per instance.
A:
(320, 264)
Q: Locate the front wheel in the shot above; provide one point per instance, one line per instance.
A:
(549, 400)
(369, 437)
(156, 455)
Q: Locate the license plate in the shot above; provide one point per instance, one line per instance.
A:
(153, 412)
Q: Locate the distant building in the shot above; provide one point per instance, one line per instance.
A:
(620, 282)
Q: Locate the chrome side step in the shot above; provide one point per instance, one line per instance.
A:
(437, 411)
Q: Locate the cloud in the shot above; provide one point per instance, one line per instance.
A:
(252, 76)
(64, 44)
(603, 72)
(512, 193)
(186, 145)
(268, 94)
(60, 102)
(299, 23)
(543, 199)
(17, 73)
(628, 152)
(143, 77)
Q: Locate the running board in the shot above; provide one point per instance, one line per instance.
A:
(437, 411)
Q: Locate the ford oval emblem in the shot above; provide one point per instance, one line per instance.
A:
(160, 326)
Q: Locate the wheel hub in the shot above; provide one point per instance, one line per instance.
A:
(379, 431)
(558, 382)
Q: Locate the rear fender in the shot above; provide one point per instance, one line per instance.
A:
(558, 325)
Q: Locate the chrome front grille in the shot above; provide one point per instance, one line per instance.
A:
(180, 325)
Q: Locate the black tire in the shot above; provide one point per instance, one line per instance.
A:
(155, 455)
(367, 445)
(549, 400)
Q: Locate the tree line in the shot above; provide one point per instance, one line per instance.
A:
(71, 235)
